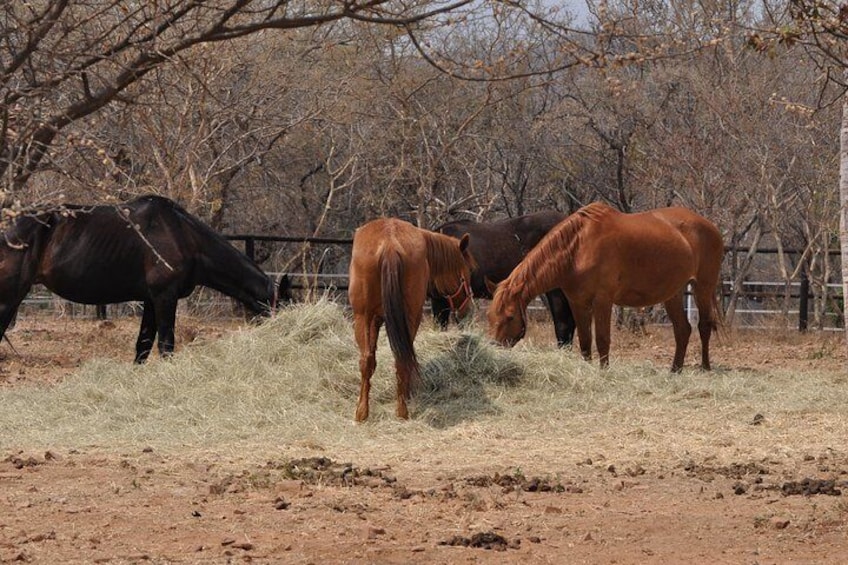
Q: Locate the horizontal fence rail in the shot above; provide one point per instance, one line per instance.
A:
(758, 301)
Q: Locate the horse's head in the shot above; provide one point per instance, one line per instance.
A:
(261, 300)
(507, 317)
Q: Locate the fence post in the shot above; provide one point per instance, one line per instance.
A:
(804, 302)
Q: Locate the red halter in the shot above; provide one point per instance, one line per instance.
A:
(463, 285)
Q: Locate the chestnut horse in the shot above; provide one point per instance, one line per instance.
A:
(392, 264)
(600, 257)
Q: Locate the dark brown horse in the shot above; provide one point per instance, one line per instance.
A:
(391, 266)
(498, 247)
(150, 250)
(600, 257)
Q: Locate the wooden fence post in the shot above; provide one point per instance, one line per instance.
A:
(803, 302)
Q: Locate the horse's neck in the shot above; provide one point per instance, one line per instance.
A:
(225, 266)
(545, 268)
(225, 269)
(527, 285)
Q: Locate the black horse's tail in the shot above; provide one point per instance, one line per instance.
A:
(397, 321)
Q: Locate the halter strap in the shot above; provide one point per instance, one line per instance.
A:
(463, 285)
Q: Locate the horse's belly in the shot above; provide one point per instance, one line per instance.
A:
(637, 299)
(93, 290)
(651, 290)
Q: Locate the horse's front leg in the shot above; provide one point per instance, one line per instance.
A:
(564, 324)
(165, 307)
(682, 330)
(602, 314)
(441, 310)
(7, 317)
(8, 313)
(146, 334)
(13, 290)
(583, 320)
(366, 329)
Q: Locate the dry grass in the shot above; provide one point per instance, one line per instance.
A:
(291, 384)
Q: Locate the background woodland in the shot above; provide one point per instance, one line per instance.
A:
(309, 119)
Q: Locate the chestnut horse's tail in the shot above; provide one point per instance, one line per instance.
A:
(397, 321)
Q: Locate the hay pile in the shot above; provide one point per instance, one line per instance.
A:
(293, 381)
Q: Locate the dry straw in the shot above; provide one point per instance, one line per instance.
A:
(291, 384)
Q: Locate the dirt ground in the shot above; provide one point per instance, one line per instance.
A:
(96, 505)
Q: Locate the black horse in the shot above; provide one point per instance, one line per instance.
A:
(149, 250)
(498, 247)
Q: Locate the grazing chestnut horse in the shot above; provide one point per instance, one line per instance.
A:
(149, 250)
(600, 257)
(391, 266)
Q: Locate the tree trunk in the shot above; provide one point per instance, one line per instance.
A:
(843, 209)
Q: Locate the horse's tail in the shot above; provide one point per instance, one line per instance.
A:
(719, 325)
(397, 321)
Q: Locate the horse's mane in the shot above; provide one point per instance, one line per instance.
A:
(541, 268)
(446, 261)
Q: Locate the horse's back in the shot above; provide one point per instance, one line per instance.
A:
(667, 228)
(702, 235)
(697, 225)
(116, 253)
(499, 246)
(531, 228)
(373, 239)
(375, 243)
(641, 258)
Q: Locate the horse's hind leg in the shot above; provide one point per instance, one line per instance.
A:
(366, 329)
(682, 330)
(706, 324)
(146, 334)
(406, 370)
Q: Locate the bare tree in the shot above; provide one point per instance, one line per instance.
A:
(820, 27)
(65, 61)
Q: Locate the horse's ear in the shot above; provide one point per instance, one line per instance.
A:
(463, 242)
(490, 286)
